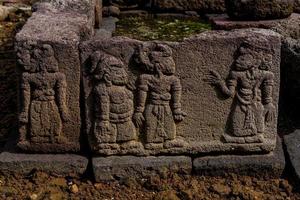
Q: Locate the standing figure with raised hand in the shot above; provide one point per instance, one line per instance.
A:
(250, 84)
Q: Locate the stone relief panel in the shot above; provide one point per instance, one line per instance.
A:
(43, 101)
(175, 99)
(124, 117)
(250, 84)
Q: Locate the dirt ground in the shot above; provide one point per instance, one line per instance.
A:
(38, 186)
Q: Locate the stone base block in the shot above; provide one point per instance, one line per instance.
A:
(65, 165)
(263, 166)
(223, 22)
(292, 145)
(118, 168)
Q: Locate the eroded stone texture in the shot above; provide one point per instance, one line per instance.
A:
(262, 166)
(297, 6)
(256, 10)
(47, 49)
(177, 97)
(205, 6)
(120, 168)
(23, 164)
(292, 145)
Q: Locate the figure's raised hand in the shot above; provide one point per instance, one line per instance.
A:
(214, 78)
(138, 119)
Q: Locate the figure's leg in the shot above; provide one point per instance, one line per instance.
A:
(152, 126)
(171, 139)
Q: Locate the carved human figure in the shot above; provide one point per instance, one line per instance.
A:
(43, 94)
(159, 98)
(114, 108)
(251, 85)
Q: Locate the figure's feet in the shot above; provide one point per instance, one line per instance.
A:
(23, 143)
(40, 140)
(154, 146)
(61, 139)
(176, 143)
(132, 145)
(108, 146)
(244, 140)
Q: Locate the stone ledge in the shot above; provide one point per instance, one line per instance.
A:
(223, 22)
(67, 164)
(118, 168)
(292, 145)
(268, 165)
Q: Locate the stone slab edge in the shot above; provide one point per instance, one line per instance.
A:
(122, 167)
(269, 165)
(23, 164)
(292, 146)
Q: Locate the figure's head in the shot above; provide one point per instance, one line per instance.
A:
(47, 59)
(161, 58)
(109, 69)
(254, 53)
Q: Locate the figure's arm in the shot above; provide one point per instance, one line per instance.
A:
(102, 109)
(62, 97)
(267, 97)
(226, 87)
(176, 92)
(102, 103)
(141, 101)
(25, 93)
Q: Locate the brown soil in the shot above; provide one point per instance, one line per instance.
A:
(39, 186)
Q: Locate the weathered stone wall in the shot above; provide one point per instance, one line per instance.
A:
(209, 113)
(57, 27)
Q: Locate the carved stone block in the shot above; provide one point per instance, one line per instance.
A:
(24, 164)
(49, 67)
(205, 6)
(291, 143)
(124, 167)
(214, 92)
(269, 165)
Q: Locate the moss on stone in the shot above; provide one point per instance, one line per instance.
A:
(160, 28)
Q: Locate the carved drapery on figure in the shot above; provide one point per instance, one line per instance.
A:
(113, 104)
(159, 98)
(43, 96)
(250, 83)
(120, 124)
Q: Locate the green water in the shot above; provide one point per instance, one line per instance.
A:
(160, 28)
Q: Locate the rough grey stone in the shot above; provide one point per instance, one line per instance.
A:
(259, 10)
(204, 6)
(223, 22)
(297, 6)
(118, 168)
(23, 164)
(290, 27)
(57, 27)
(269, 165)
(209, 113)
(107, 28)
(292, 145)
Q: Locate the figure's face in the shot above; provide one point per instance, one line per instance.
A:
(246, 60)
(117, 73)
(165, 64)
